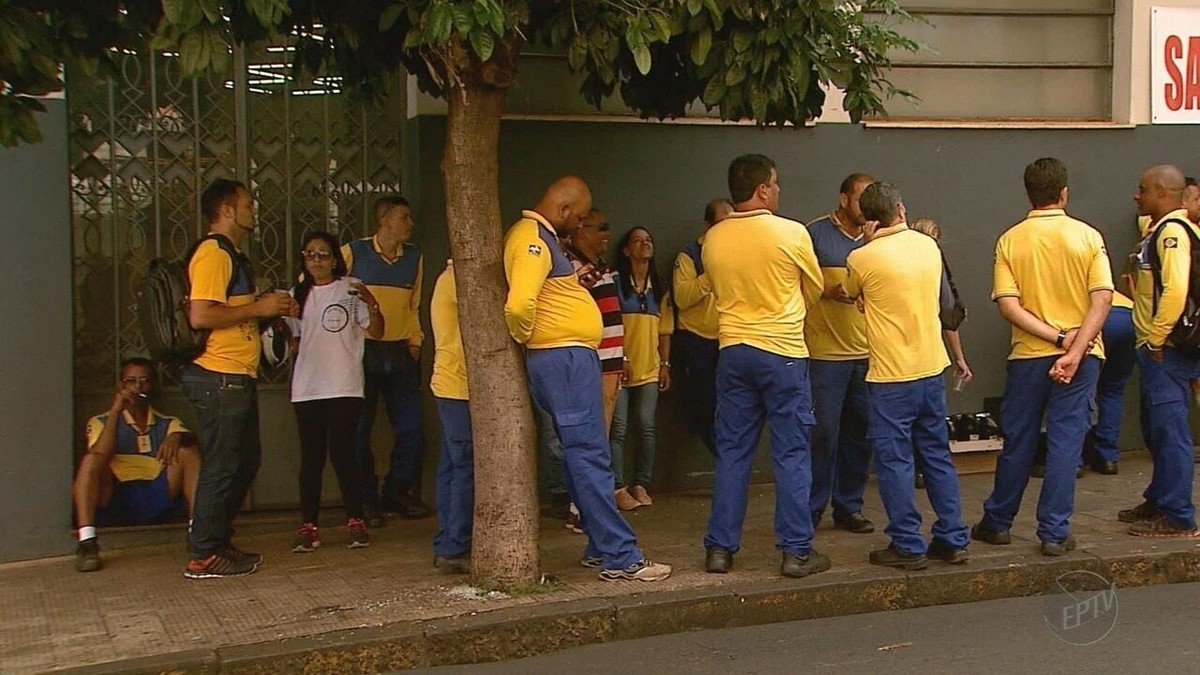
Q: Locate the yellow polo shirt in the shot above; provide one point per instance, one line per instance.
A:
(765, 276)
(694, 298)
(449, 364)
(1052, 263)
(835, 331)
(233, 350)
(899, 275)
(1175, 258)
(396, 284)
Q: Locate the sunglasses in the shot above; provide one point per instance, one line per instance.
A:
(316, 255)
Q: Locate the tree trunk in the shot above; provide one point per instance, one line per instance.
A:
(505, 543)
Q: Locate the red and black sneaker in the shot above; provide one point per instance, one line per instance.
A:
(218, 565)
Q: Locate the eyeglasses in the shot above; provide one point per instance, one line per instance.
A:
(316, 255)
(139, 379)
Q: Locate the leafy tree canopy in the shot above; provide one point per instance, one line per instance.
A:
(765, 60)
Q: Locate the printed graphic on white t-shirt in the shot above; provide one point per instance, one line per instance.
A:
(331, 329)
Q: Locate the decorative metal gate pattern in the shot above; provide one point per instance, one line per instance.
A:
(145, 145)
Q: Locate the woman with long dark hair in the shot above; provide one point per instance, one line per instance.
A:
(648, 320)
(336, 313)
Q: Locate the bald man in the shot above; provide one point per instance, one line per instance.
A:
(1163, 265)
(557, 321)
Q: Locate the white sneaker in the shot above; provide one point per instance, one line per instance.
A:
(642, 570)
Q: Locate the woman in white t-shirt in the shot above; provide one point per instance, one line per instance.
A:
(336, 312)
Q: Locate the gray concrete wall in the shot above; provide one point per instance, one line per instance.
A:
(35, 363)
(970, 181)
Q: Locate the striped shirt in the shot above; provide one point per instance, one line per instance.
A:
(600, 281)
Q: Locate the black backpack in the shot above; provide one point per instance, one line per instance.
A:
(1185, 336)
(163, 306)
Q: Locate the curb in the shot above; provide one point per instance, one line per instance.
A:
(521, 632)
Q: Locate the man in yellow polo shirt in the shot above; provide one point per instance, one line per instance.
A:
(899, 275)
(764, 277)
(695, 342)
(220, 383)
(1162, 278)
(554, 317)
(1052, 281)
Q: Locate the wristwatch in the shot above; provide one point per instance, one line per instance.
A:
(1062, 335)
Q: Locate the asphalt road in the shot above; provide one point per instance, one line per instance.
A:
(1146, 630)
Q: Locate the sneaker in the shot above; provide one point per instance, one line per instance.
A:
(800, 566)
(238, 554)
(87, 555)
(406, 505)
(1161, 528)
(573, 522)
(894, 557)
(625, 501)
(642, 570)
(639, 493)
(993, 537)
(217, 565)
(457, 564)
(358, 533)
(372, 516)
(1057, 548)
(308, 539)
(592, 562)
(941, 550)
(1139, 513)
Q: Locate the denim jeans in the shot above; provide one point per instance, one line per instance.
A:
(696, 365)
(642, 402)
(565, 382)
(1166, 392)
(1029, 396)
(753, 386)
(904, 416)
(230, 453)
(391, 372)
(455, 480)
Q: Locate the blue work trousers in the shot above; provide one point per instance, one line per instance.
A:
(636, 407)
(1119, 359)
(1166, 390)
(455, 480)
(754, 385)
(904, 416)
(1029, 396)
(230, 453)
(840, 454)
(695, 360)
(550, 454)
(565, 381)
(390, 371)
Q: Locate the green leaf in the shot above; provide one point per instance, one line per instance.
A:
(218, 52)
(463, 18)
(390, 15)
(758, 101)
(483, 42)
(694, 6)
(734, 75)
(440, 22)
(663, 24)
(641, 57)
(701, 45)
(212, 10)
(742, 40)
(713, 92)
(191, 52)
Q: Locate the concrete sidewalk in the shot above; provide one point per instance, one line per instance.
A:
(385, 607)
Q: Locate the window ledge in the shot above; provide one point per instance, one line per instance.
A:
(995, 124)
(633, 118)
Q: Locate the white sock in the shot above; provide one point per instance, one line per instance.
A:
(88, 532)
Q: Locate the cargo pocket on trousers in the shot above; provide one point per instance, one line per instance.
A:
(573, 427)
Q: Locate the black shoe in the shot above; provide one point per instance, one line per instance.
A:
(993, 537)
(1080, 472)
(1037, 471)
(459, 564)
(1057, 548)
(894, 557)
(87, 556)
(717, 560)
(560, 505)
(372, 516)
(800, 566)
(1140, 513)
(941, 550)
(237, 554)
(1105, 467)
(855, 522)
(406, 505)
(920, 480)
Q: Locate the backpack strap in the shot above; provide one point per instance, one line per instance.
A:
(1156, 263)
(240, 262)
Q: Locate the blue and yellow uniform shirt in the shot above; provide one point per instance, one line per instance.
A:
(396, 284)
(235, 349)
(765, 276)
(1153, 319)
(1052, 263)
(449, 363)
(546, 305)
(899, 275)
(136, 456)
(692, 293)
(835, 331)
(645, 320)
